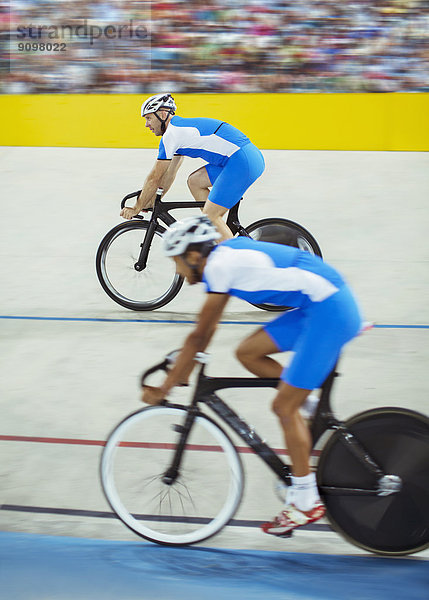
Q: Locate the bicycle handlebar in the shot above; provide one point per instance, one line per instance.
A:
(166, 206)
(168, 361)
(159, 193)
(128, 196)
(162, 366)
(201, 357)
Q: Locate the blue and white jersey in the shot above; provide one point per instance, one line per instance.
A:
(263, 272)
(209, 139)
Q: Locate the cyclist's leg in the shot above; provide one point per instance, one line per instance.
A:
(319, 334)
(327, 327)
(215, 214)
(200, 181)
(303, 504)
(297, 435)
(241, 170)
(253, 352)
(324, 329)
(279, 335)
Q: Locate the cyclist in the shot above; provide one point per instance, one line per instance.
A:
(326, 317)
(233, 162)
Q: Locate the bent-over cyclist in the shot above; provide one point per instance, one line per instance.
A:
(233, 161)
(326, 317)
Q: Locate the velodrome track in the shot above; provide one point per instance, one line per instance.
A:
(71, 360)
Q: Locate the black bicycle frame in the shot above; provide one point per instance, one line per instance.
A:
(160, 210)
(205, 393)
(323, 420)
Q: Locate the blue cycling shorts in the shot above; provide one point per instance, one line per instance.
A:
(316, 335)
(231, 181)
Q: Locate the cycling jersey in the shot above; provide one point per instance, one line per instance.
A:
(326, 315)
(233, 162)
(262, 272)
(209, 139)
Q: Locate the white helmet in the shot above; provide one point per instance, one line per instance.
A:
(155, 103)
(193, 230)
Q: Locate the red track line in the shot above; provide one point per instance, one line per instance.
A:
(48, 440)
(159, 445)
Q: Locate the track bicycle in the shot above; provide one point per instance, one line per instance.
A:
(131, 266)
(173, 476)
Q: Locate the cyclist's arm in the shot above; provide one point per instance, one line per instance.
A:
(147, 195)
(197, 341)
(152, 183)
(170, 174)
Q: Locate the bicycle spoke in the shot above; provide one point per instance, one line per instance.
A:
(119, 251)
(198, 503)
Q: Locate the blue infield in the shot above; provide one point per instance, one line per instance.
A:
(34, 567)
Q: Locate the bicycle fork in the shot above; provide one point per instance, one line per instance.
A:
(141, 263)
(173, 471)
(252, 439)
(157, 211)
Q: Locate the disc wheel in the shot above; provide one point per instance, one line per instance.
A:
(283, 231)
(394, 524)
(198, 503)
(154, 286)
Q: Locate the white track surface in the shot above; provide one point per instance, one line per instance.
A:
(77, 379)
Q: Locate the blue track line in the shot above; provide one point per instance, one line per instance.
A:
(170, 321)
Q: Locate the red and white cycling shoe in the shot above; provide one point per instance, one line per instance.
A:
(291, 517)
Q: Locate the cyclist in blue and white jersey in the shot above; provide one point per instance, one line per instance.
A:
(326, 318)
(233, 162)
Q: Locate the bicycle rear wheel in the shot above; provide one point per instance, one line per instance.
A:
(198, 503)
(288, 233)
(395, 524)
(283, 231)
(151, 288)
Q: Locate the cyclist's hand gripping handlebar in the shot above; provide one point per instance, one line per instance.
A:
(168, 362)
(136, 194)
(153, 395)
(162, 366)
(165, 365)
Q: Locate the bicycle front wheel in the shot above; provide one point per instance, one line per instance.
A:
(202, 499)
(154, 286)
(394, 524)
(288, 233)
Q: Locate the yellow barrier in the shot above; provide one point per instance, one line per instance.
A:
(272, 121)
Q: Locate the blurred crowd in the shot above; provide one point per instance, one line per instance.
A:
(142, 46)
